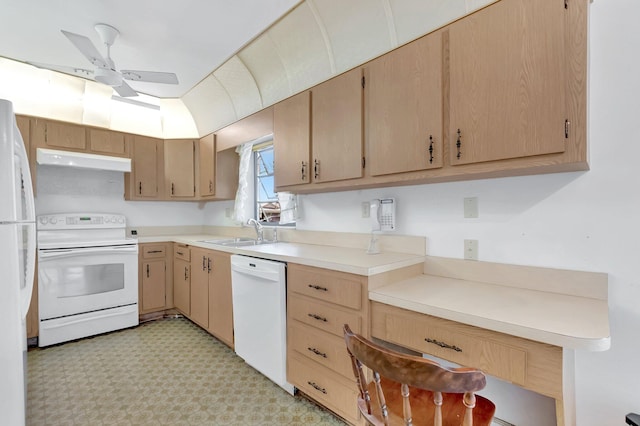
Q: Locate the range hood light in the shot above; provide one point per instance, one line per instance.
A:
(82, 160)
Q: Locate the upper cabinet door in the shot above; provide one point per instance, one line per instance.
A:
(337, 138)
(507, 82)
(207, 165)
(107, 142)
(179, 167)
(51, 134)
(404, 108)
(145, 168)
(292, 140)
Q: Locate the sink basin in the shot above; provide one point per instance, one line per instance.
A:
(236, 242)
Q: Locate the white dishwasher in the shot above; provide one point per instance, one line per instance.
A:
(260, 316)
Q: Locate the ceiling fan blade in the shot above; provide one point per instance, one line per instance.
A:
(150, 76)
(80, 72)
(86, 47)
(125, 90)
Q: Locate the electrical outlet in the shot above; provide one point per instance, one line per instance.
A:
(471, 249)
(471, 207)
(366, 209)
(228, 212)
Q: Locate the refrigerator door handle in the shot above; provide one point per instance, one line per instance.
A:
(29, 276)
(26, 177)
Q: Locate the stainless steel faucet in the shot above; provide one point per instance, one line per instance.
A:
(258, 228)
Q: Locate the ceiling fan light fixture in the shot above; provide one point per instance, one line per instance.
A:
(108, 77)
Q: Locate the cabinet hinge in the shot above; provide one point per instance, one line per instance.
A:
(363, 82)
(363, 162)
(567, 126)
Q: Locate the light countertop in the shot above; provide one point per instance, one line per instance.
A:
(563, 320)
(350, 260)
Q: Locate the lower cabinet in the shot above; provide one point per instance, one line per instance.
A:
(154, 277)
(210, 294)
(319, 303)
(182, 278)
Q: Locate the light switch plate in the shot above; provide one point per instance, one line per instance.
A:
(471, 249)
(471, 207)
(366, 209)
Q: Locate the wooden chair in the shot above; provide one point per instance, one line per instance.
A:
(439, 396)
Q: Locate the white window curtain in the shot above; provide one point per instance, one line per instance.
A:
(244, 179)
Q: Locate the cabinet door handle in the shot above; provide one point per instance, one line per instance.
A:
(317, 387)
(209, 265)
(442, 344)
(317, 287)
(204, 263)
(317, 352)
(172, 187)
(316, 168)
(302, 170)
(147, 270)
(459, 144)
(186, 275)
(140, 188)
(430, 149)
(318, 317)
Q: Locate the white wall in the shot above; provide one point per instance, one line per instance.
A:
(586, 221)
(62, 189)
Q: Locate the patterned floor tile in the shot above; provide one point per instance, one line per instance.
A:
(167, 372)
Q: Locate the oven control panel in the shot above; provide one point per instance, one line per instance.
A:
(81, 221)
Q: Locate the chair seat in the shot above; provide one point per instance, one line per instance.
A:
(423, 408)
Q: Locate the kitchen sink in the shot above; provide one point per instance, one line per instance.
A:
(237, 242)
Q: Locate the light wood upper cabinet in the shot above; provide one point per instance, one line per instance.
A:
(57, 135)
(337, 140)
(179, 157)
(107, 142)
(507, 82)
(207, 166)
(292, 140)
(145, 180)
(403, 95)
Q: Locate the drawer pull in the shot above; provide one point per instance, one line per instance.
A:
(316, 387)
(180, 253)
(317, 317)
(317, 287)
(443, 344)
(317, 352)
(154, 251)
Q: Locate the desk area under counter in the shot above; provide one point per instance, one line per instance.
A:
(520, 324)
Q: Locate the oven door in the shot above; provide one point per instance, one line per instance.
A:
(78, 280)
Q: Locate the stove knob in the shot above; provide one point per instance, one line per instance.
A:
(43, 220)
(121, 220)
(53, 220)
(107, 220)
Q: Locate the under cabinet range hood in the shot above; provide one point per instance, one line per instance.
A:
(82, 160)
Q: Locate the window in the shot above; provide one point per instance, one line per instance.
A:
(267, 205)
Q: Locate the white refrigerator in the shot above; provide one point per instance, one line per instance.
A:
(17, 263)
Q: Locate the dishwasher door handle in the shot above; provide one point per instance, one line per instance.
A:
(264, 274)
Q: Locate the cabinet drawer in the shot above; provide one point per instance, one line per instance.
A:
(330, 389)
(182, 251)
(335, 287)
(532, 365)
(322, 315)
(324, 348)
(152, 251)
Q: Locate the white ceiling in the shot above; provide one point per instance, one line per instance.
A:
(190, 38)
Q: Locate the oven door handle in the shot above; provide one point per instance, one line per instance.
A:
(58, 253)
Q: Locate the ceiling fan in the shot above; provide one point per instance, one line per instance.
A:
(105, 69)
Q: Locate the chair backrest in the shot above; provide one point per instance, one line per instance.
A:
(394, 373)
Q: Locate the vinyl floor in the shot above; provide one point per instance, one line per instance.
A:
(165, 372)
